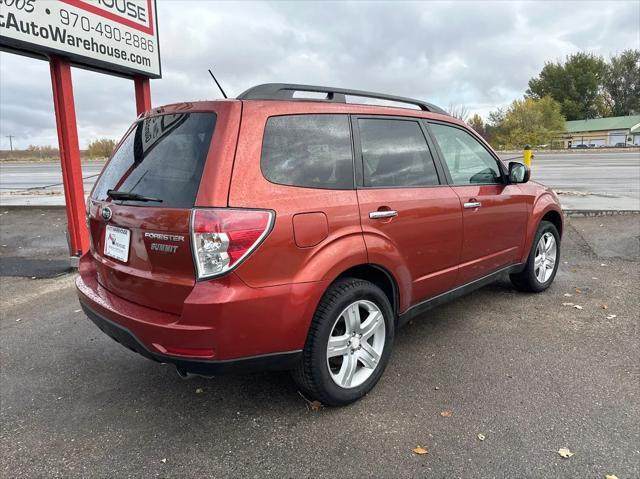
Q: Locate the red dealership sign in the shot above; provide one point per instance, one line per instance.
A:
(127, 13)
(119, 36)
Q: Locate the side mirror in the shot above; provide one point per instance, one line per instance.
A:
(518, 172)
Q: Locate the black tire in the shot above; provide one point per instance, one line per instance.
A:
(312, 375)
(526, 280)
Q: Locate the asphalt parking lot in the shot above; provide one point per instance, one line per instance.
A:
(529, 373)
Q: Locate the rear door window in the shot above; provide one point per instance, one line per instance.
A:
(395, 153)
(312, 151)
(162, 157)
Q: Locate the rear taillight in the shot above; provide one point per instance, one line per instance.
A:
(222, 238)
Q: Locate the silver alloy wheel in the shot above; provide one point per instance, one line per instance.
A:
(546, 255)
(356, 343)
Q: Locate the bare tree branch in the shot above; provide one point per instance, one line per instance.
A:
(460, 112)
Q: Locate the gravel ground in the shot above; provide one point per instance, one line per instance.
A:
(528, 373)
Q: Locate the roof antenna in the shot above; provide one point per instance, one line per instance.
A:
(214, 79)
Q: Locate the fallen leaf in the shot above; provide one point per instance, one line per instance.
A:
(610, 476)
(565, 452)
(567, 304)
(577, 306)
(420, 450)
(481, 437)
(199, 391)
(567, 295)
(578, 290)
(611, 316)
(445, 413)
(315, 406)
(163, 461)
(604, 306)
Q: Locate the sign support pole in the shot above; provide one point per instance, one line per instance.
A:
(143, 94)
(64, 106)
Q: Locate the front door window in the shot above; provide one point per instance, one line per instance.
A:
(468, 161)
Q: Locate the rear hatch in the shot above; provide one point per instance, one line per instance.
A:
(140, 209)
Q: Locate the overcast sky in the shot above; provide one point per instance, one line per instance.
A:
(480, 54)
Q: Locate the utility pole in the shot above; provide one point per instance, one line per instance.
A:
(11, 137)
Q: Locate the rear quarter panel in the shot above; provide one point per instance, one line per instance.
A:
(279, 260)
(214, 185)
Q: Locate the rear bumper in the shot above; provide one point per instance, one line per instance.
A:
(276, 361)
(224, 325)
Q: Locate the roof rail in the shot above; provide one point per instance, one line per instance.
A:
(285, 91)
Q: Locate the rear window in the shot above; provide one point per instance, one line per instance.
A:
(312, 151)
(162, 157)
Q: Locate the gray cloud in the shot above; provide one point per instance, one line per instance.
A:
(480, 54)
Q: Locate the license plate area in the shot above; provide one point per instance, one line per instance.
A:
(116, 243)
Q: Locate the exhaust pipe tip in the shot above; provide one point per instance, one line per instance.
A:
(182, 373)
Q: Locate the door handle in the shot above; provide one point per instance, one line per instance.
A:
(473, 204)
(376, 215)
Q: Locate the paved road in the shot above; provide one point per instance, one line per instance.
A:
(528, 373)
(21, 176)
(605, 173)
(586, 180)
(591, 180)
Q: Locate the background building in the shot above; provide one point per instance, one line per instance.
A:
(599, 132)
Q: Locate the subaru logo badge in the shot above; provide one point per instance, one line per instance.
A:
(106, 213)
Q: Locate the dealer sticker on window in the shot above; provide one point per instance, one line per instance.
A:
(116, 243)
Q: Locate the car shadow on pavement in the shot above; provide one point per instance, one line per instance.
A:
(227, 396)
(159, 393)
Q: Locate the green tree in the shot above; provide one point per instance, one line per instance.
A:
(101, 148)
(622, 83)
(576, 84)
(528, 121)
(477, 124)
(491, 127)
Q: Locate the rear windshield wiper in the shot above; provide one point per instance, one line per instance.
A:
(127, 195)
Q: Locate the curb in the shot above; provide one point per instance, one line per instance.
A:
(37, 207)
(594, 213)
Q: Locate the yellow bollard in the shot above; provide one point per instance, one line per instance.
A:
(527, 155)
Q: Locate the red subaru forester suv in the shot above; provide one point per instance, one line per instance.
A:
(291, 228)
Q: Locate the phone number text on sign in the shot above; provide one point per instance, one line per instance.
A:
(116, 35)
